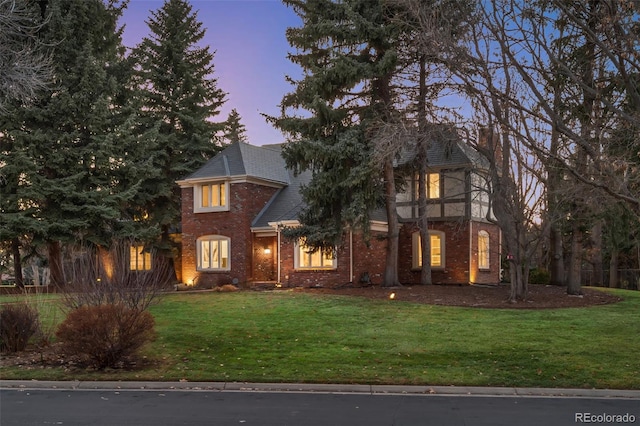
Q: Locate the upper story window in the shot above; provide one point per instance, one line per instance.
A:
(139, 258)
(320, 259)
(433, 186)
(211, 197)
(483, 250)
(437, 245)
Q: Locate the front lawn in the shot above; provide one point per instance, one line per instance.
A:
(299, 337)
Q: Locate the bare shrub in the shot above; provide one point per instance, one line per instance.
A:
(227, 288)
(100, 276)
(105, 335)
(18, 323)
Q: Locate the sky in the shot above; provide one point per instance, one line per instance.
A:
(250, 60)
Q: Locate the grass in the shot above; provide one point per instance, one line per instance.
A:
(300, 337)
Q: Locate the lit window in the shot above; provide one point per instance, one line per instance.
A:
(139, 258)
(320, 259)
(433, 185)
(432, 180)
(213, 253)
(483, 250)
(436, 239)
(211, 197)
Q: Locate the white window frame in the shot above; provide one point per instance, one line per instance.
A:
(198, 197)
(205, 244)
(484, 256)
(327, 262)
(417, 252)
(139, 258)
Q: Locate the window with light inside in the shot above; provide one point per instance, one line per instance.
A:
(320, 259)
(213, 253)
(483, 250)
(436, 240)
(211, 197)
(139, 258)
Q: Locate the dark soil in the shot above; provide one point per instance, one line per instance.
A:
(479, 296)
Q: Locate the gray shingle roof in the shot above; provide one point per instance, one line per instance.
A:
(242, 159)
(266, 162)
(446, 149)
(286, 204)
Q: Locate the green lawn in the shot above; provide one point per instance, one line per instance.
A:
(298, 337)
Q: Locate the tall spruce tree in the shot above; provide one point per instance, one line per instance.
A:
(178, 99)
(347, 53)
(234, 130)
(69, 138)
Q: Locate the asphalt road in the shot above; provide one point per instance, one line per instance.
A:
(23, 407)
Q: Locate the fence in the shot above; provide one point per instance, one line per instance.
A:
(627, 278)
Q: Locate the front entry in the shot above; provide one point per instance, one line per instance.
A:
(264, 259)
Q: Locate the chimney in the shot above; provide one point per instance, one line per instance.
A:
(489, 145)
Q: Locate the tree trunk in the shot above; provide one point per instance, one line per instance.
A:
(574, 283)
(423, 218)
(423, 225)
(557, 256)
(17, 262)
(518, 281)
(596, 253)
(613, 269)
(391, 266)
(167, 253)
(55, 264)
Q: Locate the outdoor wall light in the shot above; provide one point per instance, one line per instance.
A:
(267, 251)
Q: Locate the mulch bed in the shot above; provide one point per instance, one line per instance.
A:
(478, 296)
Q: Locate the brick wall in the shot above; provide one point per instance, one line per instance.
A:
(456, 254)
(245, 202)
(491, 276)
(461, 260)
(248, 261)
(369, 259)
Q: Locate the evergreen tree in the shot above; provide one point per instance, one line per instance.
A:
(69, 138)
(177, 99)
(346, 50)
(234, 130)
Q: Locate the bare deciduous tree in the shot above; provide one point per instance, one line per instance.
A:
(107, 276)
(25, 68)
(559, 80)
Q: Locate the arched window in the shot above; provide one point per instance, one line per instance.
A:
(212, 253)
(437, 241)
(483, 250)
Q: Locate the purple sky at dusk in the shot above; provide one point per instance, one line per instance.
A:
(250, 62)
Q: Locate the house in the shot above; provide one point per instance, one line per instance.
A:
(235, 207)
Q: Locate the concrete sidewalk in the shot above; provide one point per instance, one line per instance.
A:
(322, 388)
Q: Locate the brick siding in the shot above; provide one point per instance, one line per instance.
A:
(245, 202)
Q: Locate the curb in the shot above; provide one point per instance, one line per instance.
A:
(322, 388)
